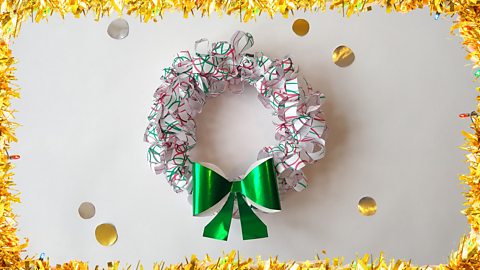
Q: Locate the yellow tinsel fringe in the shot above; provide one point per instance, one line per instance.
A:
(466, 257)
(14, 12)
(10, 246)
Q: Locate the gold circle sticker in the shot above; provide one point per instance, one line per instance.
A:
(367, 206)
(106, 234)
(86, 210)
(301, 27)
(343, 56)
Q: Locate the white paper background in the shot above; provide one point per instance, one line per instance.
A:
(394, 135)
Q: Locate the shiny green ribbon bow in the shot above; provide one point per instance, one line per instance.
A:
(259, 188)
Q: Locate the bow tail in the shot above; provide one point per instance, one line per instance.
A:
(252, 226)
(219, 227)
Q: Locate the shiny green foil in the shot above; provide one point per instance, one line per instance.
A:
(259, 186)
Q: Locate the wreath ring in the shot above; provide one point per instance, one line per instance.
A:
(297, 115)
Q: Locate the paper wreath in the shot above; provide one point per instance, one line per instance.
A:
(297, 116)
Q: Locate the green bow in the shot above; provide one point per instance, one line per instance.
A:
(259, 187)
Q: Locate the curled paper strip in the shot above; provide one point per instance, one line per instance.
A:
(297, 115)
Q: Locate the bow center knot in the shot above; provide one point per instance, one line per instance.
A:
(236, 187)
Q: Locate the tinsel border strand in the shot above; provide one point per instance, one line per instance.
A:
(10, 245)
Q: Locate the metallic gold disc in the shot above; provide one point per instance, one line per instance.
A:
(106, 234)
(118, 29)
(367, 206)
(343, 56)
(300, 27)
(86, 210)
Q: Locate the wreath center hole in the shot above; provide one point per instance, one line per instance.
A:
(232, 129)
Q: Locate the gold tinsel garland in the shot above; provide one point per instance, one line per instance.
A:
(10, 246)
(14, 12)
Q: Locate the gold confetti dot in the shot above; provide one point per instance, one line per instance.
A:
(343, 56)
(367, 206)
(106, 234)
(300, 27)
(86, 210)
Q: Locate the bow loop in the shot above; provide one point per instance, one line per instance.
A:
(254, 187)
(210, 190)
